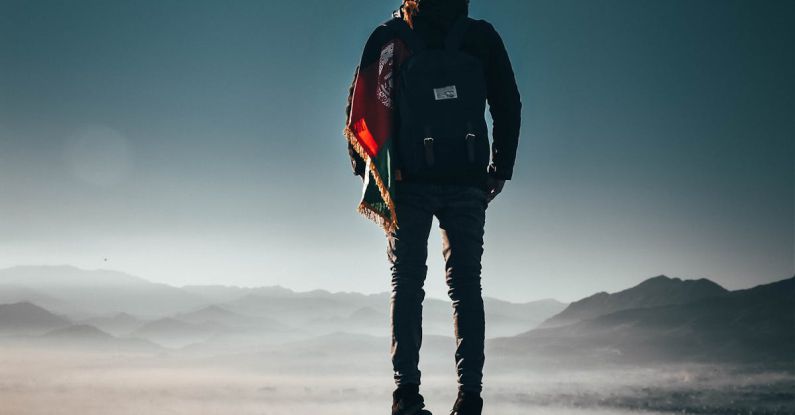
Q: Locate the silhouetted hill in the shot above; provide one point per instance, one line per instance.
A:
(508, 319)
(102, 291)
(368, 315)
(85, 336)
(335, 311)
(120, 303)
(118, 324)
(171, 332)
(320, 311)
(226, 293)
(293, 310)
(220, 315)
(83, 332)
(10, 293)
(28, 318)
(653, 292)
(755, 325)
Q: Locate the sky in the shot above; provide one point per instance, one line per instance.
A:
(199, 142)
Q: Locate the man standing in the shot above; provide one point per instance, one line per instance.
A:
(446, 66)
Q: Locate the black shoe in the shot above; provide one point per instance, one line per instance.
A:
(467, 403)
(406, 400)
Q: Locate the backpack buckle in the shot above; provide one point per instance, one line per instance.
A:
(428, 143)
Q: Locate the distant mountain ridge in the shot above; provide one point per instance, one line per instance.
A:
(172, 332)
(750, 325)
(12, 293)
(25, 318)
(660, 319)
(118, 324)
(652, 292)
(125, 305)
(88, 337)
(101, 291)
(106, 292)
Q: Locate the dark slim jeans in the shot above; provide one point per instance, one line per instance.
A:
(461, 211)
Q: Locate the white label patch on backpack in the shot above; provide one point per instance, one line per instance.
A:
(445, 92)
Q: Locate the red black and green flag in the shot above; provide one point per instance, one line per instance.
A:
(370, 127)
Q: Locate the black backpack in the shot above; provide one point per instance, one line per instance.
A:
(441, 102)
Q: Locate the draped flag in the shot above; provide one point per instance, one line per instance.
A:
(370, 128)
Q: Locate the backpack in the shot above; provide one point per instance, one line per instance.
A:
(441, 102)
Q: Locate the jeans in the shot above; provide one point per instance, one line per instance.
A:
(461, 211)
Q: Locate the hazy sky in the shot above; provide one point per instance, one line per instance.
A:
(195, 142)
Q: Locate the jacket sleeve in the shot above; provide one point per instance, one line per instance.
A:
(505, 107)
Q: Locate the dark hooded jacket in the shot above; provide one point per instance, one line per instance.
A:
(482, 41)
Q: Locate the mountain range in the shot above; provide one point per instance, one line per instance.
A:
(655, 291)
(661, 319)
(87, 293)
(218, 317)
(702, 322)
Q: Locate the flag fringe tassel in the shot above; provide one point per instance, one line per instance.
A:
(364, 208)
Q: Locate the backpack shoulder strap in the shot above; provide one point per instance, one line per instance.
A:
(456, 34)
(402, 29)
